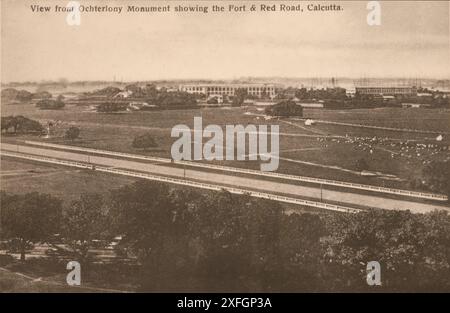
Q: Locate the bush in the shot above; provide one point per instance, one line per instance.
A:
(144, 141)
(72, 133)
(361, 165)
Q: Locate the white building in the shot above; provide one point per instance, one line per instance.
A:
(256, 90)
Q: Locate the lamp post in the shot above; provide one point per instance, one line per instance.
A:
(321, 195)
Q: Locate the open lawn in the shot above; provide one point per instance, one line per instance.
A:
(23, 176)
(421, 118)
(321, 150)
(49, 275)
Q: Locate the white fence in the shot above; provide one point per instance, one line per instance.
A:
(415, 194)
(98, 151)
(256, 194)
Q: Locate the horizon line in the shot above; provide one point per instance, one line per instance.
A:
(66, 80)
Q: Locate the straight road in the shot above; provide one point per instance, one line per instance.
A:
(343, 197)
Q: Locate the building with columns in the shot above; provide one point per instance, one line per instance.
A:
(256, 90)
(387, 90)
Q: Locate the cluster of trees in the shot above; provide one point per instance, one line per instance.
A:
(239, 97)
(20, 124)
(285, 108)
(11, 95)
(358, 101)
(434, 98)
(336, 98)
(174, 100)
(108, 92)
(28, 219)
(436, 177)
(14, 95)
(187, 240)
(304, 94)
(161, 98)
(370, 101)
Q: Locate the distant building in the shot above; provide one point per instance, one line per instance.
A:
(387, 90)
(256, 90)
(217, 97)
(123, 94)
(415, 105)
(350, 92)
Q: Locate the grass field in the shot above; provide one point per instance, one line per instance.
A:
(49, 275)
(422, 119)
(303, 150)
(22, 176)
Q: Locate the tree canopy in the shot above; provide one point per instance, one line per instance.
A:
(20, 124)
(29, 218)
(285, 109)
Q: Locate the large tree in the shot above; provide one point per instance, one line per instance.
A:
(412, 249)
(85, 222)
(285, 108)
(29, 218)
(20, 124)
(239, 236)
(437, 176)
(154, 228)
(239, 96)
(301, 252)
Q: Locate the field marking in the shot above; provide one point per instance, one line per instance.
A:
(302, 149)
(423, 195)
(305, 128)
(168, 129)
(33, 175)
(376, 127)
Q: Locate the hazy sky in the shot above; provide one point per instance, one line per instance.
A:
(412, 41)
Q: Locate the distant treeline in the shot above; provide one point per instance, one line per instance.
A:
(336, 98)
(186, 240)
(150, 95)
(14, 95)
(43, 98)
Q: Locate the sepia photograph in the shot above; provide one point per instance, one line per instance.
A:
(223, 147)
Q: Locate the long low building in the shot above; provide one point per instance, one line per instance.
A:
(387, 90)
(257, 90)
